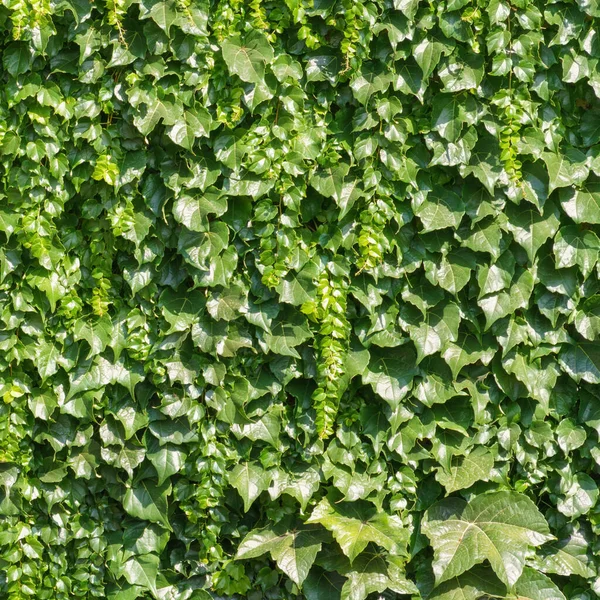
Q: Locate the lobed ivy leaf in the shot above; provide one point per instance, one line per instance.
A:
(248, 57)
(293, 551)
(499, 527)
(354, 527)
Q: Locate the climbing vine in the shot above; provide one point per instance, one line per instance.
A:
(299, 299)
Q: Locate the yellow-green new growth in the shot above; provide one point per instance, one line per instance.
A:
(334, 329)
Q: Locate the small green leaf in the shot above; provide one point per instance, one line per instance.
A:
(250, 480)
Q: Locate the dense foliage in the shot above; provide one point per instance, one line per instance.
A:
(299, 299)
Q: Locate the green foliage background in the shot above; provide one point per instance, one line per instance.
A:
(299, 299)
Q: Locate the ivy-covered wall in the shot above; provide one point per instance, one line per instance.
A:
(299, 299)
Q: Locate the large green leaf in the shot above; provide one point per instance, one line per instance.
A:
(566, 169)
(370, 572)
(447, 109)
(97, 333)
(142, 571)
(440, 209)
(167, 460)
(193, 211)
(354, 526)
(499, 527)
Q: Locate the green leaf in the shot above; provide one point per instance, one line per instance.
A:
(48, 358)
(194, 124)
(248, 57)
(499, 527)
(466, 351)
(484, 236)
(371, 80)
(538, 377)
(101, 372)
(590, 130)
(17, 58)
(143, 571)
(531, 229)
(439, 327)
(155, 111)
(162, 12)
(574, 246)
(301, 484)
(582, 205)
(106, 170)
(148, 501)
(567, 556)
(227, 305)
(354, 526)
(371, 573)
(497, 276)
(322, 585)
(580, 497)
(329, 182)
(441, 209)
(587, 319)
(453, 271)
(250, 480)
(498, 306)
(96, 332)
(536, 586)
(570, 436)
(447, 113)
(293, 551)
(181, 310)
(285, 337)
(475, 466)
(167, 460)
(565, 169)
(143, 538)
(390, 373)
(474, 584)
(193, 211)
(427, 53)
(266, 428)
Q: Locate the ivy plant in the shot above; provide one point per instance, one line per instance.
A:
(300, 299)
